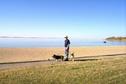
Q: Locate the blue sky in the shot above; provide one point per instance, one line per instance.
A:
(57, 18)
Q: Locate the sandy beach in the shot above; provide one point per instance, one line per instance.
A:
(31, 54)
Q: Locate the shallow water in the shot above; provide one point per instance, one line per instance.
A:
(39, 42)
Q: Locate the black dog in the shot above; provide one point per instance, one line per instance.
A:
(58, 57)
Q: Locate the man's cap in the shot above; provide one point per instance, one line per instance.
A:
(66, 37)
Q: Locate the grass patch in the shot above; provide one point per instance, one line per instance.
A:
(110, 71)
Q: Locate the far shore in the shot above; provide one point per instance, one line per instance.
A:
(31, 54)
(28, 37)
(120, 39)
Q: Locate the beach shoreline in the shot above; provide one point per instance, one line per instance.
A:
(32, 54)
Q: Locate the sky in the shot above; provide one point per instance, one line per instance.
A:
(91, 19)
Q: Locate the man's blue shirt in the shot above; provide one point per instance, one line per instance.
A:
(67, 42)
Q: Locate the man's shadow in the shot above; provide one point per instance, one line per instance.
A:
(91, 58)
(86, 59)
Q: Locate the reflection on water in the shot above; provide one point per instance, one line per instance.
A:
(39, 42)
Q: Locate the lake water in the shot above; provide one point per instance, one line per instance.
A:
(39, 43)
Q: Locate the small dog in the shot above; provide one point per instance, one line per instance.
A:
(57, 57)
(72, 56)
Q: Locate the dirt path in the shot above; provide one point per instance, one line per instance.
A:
(8, 65)
(23, 64)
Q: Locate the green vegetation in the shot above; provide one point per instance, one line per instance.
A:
(104, 71)
(116, 39)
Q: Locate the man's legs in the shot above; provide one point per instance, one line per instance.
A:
(66, 55)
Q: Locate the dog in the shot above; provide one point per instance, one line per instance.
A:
(72, 56)
(57, 57)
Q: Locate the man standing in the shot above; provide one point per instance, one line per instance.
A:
(67, 46)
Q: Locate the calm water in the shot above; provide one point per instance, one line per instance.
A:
(39, 42)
